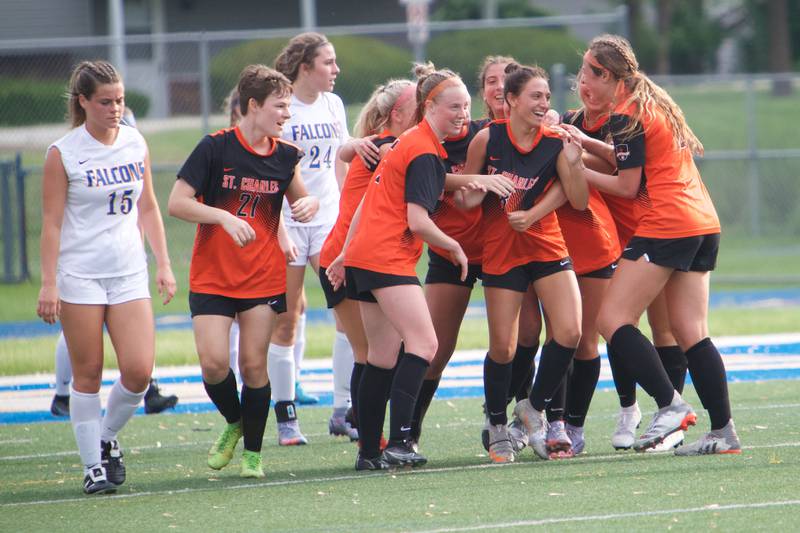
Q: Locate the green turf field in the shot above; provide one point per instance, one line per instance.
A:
(314, 488)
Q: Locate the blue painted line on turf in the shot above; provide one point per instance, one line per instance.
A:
(745, 349)
(758, 298)
(748, 349)
(444, 393)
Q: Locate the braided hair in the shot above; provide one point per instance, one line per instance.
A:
(86, 77)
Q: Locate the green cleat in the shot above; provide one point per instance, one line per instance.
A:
(251, 464)
(221, 452)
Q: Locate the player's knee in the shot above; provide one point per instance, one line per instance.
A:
(216, 371)
(501, 353)
(568, 335)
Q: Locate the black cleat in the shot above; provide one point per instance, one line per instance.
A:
(377, 463)
(96, 482)
(154, 402)
(60, 405)
(402, 454)
(111, 460)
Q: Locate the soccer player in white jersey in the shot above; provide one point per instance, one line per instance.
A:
(96, 188)
(318, 126)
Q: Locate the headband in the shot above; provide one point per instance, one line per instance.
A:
(589, 58)
(444, 84)
(406, 95)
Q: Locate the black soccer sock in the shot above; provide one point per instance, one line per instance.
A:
(375, 385)
(582, 383)
(424, 399)
(355, 382)
(408, 378)
(225, 397)
(710, 381)
(553, 365)
(623, 381)
(555, 408)
(674, 361)
(285, 411)
(522, 369)
(496, 380)
(255, 410)
(640, 358)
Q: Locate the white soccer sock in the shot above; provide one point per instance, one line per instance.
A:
(63, 367)
(280, 367)
(299, 344)
(84, 414)
(233, 347)
(121, 405)
(342, 369)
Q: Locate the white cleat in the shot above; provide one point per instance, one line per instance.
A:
(628, 420)
(535, 423)
(678, 415)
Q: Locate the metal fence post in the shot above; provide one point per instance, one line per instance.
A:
(559, 99)
(205, 83)
(754, 182)
(24, 271)
(8, 225)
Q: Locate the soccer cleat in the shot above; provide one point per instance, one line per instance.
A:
(501, 447)
(338, 426)
(669, 443)
(221, 452)
(717, 441)
(155, 402)
(289, 434)
(303, 398)
(485, 433)
(111, 461)
(558, 442)
(251, 465)
(401, 454)
(535, 424)
(575, 434)
(376, 463)
(678, 415)
(95, 482)
(519, 437)
(628, 420)
(60, 405)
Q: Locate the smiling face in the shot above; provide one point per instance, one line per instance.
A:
(271, 115)
(322, 73)
(449, 111)
(494, 79)
(596, 89)
(104, 108)
(532, 102)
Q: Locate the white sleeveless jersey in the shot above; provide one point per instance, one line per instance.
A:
(319, 129)
(100, 237)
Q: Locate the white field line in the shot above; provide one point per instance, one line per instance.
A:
(322, 435)
(615, 516)
(349, 477)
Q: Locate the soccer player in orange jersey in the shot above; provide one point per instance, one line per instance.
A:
(674, 247)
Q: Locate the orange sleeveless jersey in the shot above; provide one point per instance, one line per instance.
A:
(672, 202)
(464, 225)
(591, 234)
(355, 184)
(532, 171)
(228, 174)
(383, 241)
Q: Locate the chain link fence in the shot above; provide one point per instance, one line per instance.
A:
(175, 85)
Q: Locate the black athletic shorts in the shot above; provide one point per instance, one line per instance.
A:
(441, 270)
(215, 304)
(332, 297)
(520, 277)
(688, 254)
(361, 283)
(607, 272)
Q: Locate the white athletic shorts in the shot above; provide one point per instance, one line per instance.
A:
(309, 241)
(103, 291)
